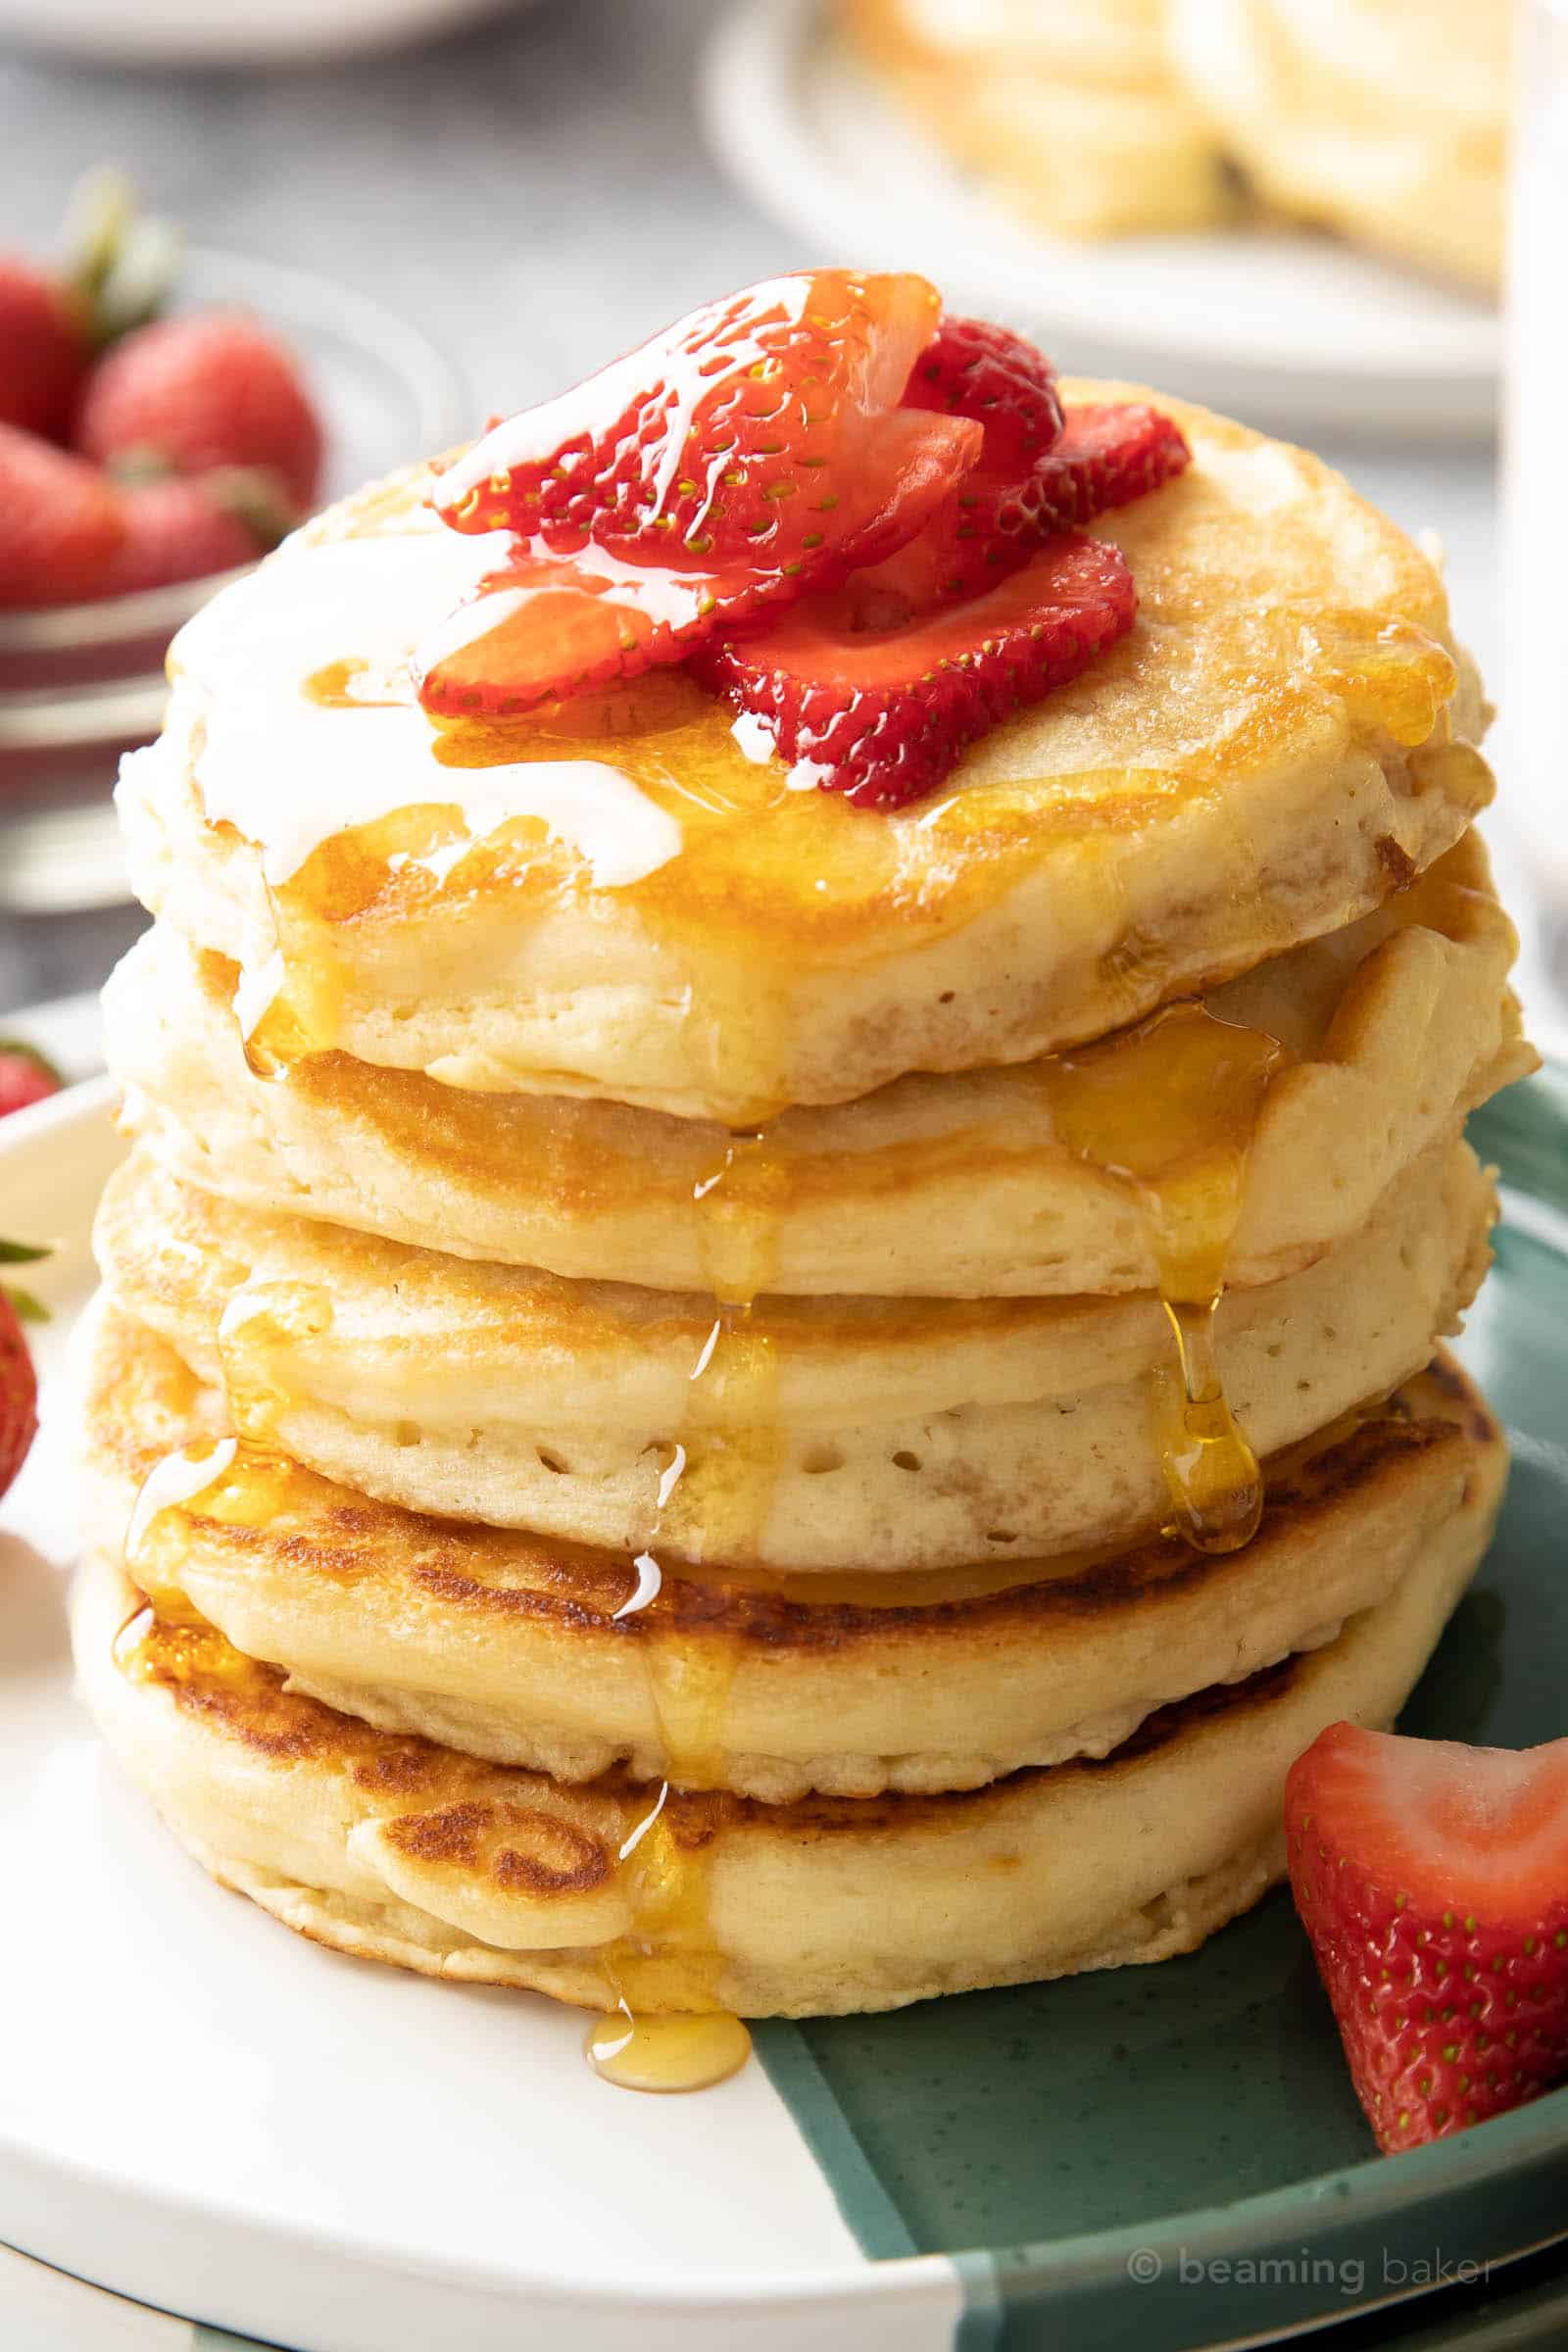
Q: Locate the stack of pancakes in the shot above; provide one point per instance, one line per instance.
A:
(818, 1422)
(1074, 118)
(1383, 119)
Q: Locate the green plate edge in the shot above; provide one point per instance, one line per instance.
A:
(1500, 2191)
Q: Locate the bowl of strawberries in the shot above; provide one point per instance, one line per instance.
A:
(167, 414)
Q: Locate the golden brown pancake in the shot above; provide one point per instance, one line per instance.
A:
(387, 1847)
(868, 1434)
(1285, 737)
(960, 1186)
(510, 1646)
(1072, 117)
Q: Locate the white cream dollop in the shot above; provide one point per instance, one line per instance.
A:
(289, 771)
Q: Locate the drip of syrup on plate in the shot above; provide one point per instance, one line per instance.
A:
(667, 2027)
(1169, 1110)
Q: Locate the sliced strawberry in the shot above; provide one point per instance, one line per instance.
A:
(541, 631)
(971, 369)
(985, 526)
(1432, 1881)
(879, 702)
(751, 438)
(1106, 456)
(548, 628)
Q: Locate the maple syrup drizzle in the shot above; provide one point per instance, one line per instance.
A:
(180, 1479)
(720, 1488)
(290, 1003)
(262, 1322)
(1169, 1110)
(240, 1479)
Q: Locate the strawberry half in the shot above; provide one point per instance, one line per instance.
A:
(1432, 1881)
(880, 700)
(748, 439)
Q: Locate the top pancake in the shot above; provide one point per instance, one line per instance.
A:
(1282, 738)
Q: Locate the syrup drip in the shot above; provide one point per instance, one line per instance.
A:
(177, 1481)
(152, 1647)
(260, 1325)
(1170, 1111)
(670, 1958)
(290, 1005)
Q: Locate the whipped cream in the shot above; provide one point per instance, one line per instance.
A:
(289, 770)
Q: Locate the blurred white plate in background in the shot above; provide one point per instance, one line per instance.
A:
(1285, 327)
(229, 33)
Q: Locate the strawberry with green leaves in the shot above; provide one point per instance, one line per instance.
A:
(1432, 1881)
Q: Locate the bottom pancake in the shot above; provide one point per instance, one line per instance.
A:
(391, 1847)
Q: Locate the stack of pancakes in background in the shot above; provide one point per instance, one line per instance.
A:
(1075, 118)
(818, 1423)
(1383, 119)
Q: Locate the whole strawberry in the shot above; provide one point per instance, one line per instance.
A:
(43, 348)
(19, 1382)
(183, 528)
(61, 524)
(184, 395)
(1432, 1881)
(26, 1077)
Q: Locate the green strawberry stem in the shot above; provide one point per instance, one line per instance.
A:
(121, 262)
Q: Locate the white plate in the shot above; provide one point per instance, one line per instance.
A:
(192, 33)
(207, 2114)
(1283, 327)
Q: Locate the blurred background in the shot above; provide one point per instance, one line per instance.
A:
(441, 209)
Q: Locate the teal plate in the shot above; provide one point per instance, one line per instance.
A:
(1171, 2158)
